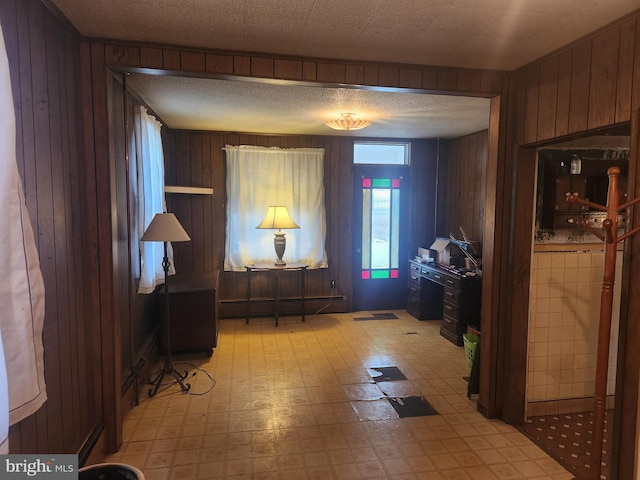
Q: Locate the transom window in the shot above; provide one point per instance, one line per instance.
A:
(381, 153)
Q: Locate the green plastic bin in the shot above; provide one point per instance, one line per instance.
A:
(470, 341)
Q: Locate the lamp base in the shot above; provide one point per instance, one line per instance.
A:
(168, 369)
(280, 243)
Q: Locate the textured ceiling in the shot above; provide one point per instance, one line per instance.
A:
(493, 34)
(257, 107)
(488, 34)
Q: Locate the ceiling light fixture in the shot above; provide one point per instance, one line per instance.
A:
(347, 122)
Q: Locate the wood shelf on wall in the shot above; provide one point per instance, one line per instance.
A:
(188, 190)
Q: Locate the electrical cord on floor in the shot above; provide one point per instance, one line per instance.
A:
(186, 379)
(213, 380)
(331, 292)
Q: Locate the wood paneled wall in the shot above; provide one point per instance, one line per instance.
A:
(44, 65)
(589, 86)
(137, 315)
(197, 159)
(176, 60)
(462, 186)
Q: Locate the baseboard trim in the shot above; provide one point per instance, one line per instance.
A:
(92, 448)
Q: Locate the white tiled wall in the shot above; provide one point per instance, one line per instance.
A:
(563, 328)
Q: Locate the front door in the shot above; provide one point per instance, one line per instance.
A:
(380, 237)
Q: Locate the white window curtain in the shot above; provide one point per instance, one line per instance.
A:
(258, 177)
(150, 197)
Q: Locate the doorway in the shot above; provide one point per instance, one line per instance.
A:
(565, 285)
(380, 237)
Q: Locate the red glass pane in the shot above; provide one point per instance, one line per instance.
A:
(366, 274)
(366, 182)
(395, 183)
(394, 273)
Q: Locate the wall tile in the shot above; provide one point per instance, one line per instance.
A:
(564, 316)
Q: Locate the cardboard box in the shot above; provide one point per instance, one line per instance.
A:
(442, 249)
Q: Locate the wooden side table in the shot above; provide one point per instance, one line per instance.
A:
(277, 271)
(194, 313)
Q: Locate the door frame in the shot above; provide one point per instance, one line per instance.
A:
(380, 171)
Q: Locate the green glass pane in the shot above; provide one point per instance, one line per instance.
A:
(395, 227)
(380, 227)
(379, 273)
(366, 228)
(381, 182)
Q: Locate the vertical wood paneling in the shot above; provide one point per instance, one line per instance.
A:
(532, 98)
(625, 71)
(579, 106)
(635, 95)
(104, 196)
(45, 224)
(564, 94)
(206, 250)
(548, 99)
(44, 65)
(197, 207)
(593, 84)
(602, 87)
(445, 79)
(183, 253)
(466, 161)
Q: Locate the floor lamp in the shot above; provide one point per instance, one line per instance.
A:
(165, 228)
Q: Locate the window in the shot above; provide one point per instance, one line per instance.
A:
(259, 177)
(149, 193)
(377, 153)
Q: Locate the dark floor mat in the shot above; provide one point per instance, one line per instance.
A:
(388, 374)
(567, 438)
(378, 316)
(411, 406)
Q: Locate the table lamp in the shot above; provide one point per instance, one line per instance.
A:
(165, 227)
(277, 217)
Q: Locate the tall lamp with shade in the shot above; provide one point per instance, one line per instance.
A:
(278, 217)
(165, 228)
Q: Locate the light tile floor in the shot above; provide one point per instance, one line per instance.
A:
(298, 402)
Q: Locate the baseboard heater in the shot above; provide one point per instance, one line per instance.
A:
(335, 298)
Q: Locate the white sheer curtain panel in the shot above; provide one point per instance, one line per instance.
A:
(258, 177)
(22, 295)
(150, 197)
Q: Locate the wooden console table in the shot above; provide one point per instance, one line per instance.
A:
(277, 271)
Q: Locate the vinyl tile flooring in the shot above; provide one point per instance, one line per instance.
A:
(300, 402)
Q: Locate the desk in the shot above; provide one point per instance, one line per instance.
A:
(277, 271)
(437, 293)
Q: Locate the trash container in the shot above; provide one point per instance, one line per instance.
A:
(470, 341)
(110, 471)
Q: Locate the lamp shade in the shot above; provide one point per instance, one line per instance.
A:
(277, 217)
(165, 227)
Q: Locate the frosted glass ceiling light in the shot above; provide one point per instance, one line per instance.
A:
(347, 122)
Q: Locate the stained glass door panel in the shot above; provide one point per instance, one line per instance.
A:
(379, 196)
